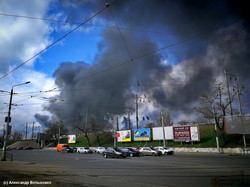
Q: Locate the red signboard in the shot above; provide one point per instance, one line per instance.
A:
(186, 133)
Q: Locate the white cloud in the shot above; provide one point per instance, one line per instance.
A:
(20, 39)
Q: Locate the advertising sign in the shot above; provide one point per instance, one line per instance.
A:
(186, 133)
(123, 136)
(71, 138)
(237, 124)
(142, 135)
(158, 133)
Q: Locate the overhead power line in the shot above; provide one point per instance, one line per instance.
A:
(73, 22)
(156, 51)
(64, 36)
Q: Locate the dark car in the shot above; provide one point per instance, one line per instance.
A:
(113, 153)
(74, 149)
(28, 148)
(131, 152)
(67, 149)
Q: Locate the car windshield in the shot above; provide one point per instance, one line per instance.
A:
(117, 149)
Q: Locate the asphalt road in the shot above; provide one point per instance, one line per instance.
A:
(178, 170)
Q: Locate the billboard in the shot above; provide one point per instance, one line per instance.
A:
(71, 138)
(123, 136)
(158, 133)
(186, 133)
(142, 135)
(237, 124)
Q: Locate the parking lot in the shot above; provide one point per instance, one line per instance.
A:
(181, 169)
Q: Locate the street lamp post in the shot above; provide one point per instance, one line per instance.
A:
(163, 130)
(8, 122)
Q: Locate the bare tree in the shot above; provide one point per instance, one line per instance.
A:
(17, 135)
(86, 133)
(52, 133)
(167, 121)
(184, 122)
(215, 105)
(96, 129)
(150, 125)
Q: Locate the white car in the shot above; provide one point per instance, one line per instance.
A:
(100, 150)
(84, 150)
(164, 150)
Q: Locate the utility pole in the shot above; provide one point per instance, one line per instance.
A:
(26, 131)
(238, 91)
(228, 93)
(59, 133)
(32, 135)
(136, 110)
(129, 121)
(8, 120)
(86, 122)
(163, 130)
(215, 130)
(117, 123)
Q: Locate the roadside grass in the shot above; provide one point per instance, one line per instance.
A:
(207, 139)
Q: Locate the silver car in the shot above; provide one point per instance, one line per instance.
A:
(100, 150)
(150, 151)
(84, 150)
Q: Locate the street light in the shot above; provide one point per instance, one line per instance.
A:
(7, 120)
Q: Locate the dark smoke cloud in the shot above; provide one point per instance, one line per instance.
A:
(43, 120)
(172, 87)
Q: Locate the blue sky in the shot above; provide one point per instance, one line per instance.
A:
(79, 46)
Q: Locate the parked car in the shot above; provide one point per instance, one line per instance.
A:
(164, 150)
(20, 148)
(67, 149)
(113, 153)
(130, 152)
(150, 151)
(74, 149)
(84, 150)
(100, 150)
(28, 148)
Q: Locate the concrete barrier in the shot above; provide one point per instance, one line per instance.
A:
(210, 150)
(197, 150)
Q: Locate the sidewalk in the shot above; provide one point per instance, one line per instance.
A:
(31, 174)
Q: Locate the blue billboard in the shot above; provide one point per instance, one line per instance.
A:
(142, 135)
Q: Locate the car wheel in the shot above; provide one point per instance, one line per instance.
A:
(105, 156)
(153, 154)
(131, 154)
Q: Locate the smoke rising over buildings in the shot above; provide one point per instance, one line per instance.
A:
(167, 52)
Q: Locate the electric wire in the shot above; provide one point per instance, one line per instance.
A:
(72, 22)
(53, 43)
(123, 40)
(155, 51)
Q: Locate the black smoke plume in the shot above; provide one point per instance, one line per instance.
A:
(200, 40)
